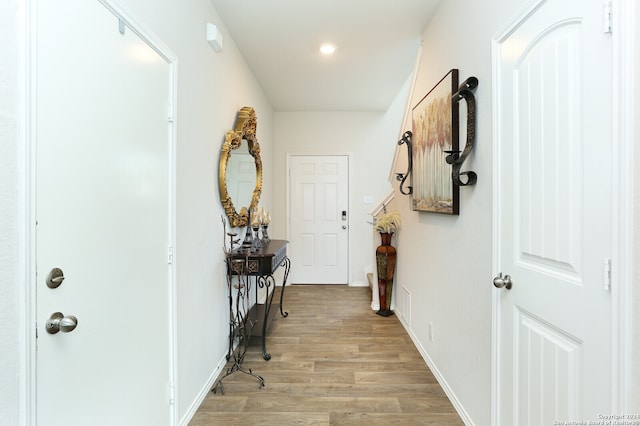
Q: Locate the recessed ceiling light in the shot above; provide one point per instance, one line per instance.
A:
(327, 49)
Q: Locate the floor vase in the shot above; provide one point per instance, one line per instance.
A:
(386, 265)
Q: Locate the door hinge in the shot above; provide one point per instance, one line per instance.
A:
(170, 255)
(171, 393)
(607, 17)
(606, 270)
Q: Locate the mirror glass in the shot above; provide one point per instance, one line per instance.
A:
(241, 176)
(241, 169)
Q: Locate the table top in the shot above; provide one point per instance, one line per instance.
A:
(262, 262)
(269, 250)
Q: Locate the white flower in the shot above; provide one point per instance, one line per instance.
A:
(387, 222)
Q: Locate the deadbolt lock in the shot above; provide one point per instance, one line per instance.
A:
(55, 278)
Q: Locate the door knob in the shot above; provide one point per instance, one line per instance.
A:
(344, 226)
(58, 322)
(505, 282)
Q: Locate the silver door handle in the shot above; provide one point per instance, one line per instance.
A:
(58, 322)
(505, 282)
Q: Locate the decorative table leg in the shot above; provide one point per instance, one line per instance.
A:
(266, 282)
(239, 323)
(287, 266)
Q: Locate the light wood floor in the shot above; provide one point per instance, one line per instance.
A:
(334, 362)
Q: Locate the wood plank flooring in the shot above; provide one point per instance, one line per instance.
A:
(333, 362)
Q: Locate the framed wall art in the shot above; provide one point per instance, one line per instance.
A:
(435, 136)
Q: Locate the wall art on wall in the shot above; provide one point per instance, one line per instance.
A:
(435, 134)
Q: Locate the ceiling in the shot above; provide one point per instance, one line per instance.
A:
(377, 43)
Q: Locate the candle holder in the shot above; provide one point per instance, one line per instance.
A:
(266, 220)
(265, 234)
(248, 243)
(257, 242)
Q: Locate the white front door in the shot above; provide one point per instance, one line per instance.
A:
(103, 218)
(553, 215)
(319, 219)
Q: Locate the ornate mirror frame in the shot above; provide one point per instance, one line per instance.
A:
(245, 129)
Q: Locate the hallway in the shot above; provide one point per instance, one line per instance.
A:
(334, 362)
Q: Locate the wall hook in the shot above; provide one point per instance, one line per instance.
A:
(402, 177)
(455, 158)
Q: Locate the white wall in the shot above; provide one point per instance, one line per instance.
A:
(12, 357)
(370, 138)
(445, 262)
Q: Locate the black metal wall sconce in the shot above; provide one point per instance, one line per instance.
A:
(455, 158)
(402, 177)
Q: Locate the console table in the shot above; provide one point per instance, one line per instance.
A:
(262, 264)
(247, 320)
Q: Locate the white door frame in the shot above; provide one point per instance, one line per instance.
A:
(28, 135)
(349, 188)
(622, 205)
(624, 55)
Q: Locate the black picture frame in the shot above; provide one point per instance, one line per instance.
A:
(434, 122)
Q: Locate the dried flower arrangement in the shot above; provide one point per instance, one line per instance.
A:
(387, 222)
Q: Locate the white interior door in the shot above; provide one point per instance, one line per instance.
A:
(553, 201)
(103, 218)
(319, 219)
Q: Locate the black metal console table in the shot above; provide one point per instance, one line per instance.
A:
(246, 320)
(262, 264)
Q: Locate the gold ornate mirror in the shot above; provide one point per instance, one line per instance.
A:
(240, 175)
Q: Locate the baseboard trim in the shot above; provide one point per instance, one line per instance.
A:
(439, 377)
(193, 408)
